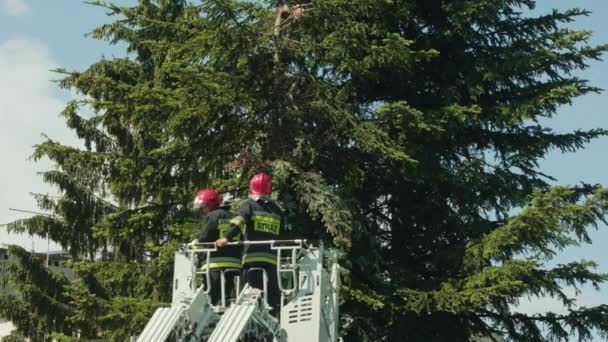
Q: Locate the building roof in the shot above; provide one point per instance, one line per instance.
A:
(55, 255)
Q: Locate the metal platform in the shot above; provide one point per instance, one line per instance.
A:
(308, 278)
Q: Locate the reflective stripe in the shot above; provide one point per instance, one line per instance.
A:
(223, 264)
(223, 226)
(266, 213)
(260, 257)
(239, 221)
(266, 222)
(223, 258)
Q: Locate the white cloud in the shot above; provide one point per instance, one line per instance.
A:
(14, 7)
(28, 107)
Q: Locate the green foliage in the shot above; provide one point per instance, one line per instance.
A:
(404, 132)
(38, 306)
(14, 337)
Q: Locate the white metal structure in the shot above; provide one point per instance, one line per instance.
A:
(308, 279)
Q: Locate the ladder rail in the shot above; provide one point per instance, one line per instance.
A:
(309, 304)
(247, 309)
(161, 325)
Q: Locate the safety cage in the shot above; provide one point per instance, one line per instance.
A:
(308, 281)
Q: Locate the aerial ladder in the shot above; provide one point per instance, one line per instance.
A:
(308, 278)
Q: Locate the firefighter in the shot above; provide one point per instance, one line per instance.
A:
(227, 260)
(259, 218)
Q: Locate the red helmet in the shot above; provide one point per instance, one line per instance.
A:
(260, 185)
(207, 198)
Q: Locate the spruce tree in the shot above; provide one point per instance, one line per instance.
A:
(406, 133)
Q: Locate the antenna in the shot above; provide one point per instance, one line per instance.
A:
(48, 249)
(48, 241)
(31, 212)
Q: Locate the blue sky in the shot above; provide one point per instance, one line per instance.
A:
(35, 37)
(591, 164)
(38, 35)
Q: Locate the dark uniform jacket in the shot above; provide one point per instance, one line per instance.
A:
(258, 220)
(218, 222)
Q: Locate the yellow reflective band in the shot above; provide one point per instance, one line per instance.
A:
(224, 264)
(260, 259)
(238, 221)
(266, 224)
(223, 227)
